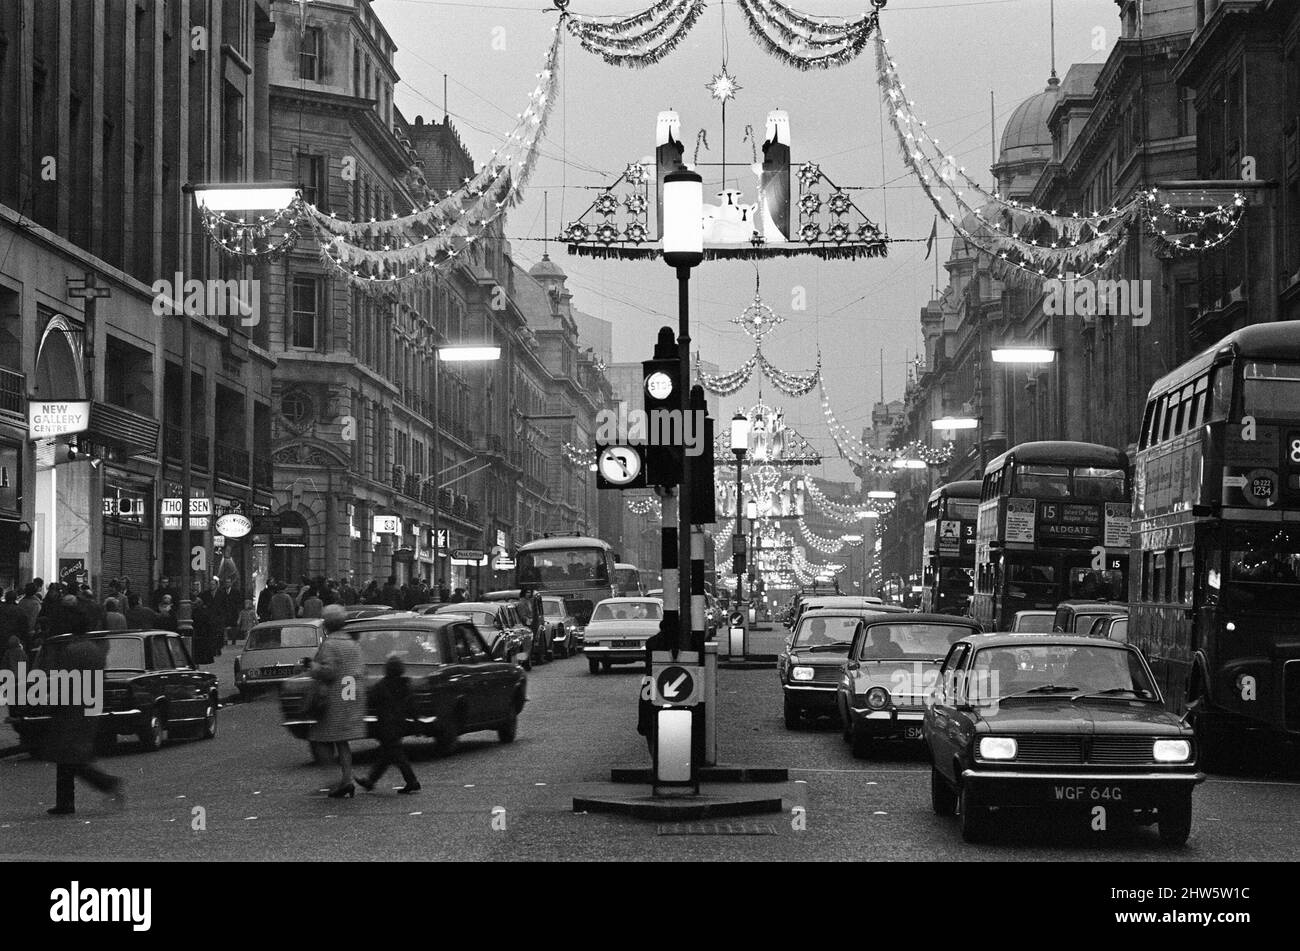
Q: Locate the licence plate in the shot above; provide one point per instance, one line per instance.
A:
(626, 644)
(1087, 793)
(912, 733)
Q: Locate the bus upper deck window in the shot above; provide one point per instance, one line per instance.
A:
(1271, 390)
(1043, 481)
(1103, 485)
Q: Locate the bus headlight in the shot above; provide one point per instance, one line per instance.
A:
(1171, 751)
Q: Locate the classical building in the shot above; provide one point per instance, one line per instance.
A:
(108, 110)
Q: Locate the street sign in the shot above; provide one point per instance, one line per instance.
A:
(45, 420)
(199, 507)
(468, 554)
(677, 684)
(503, 564)
(737, 619)
(234, 525)
(620, 467)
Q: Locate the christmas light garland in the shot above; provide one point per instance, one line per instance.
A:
(804, 42)
(865, 458)
(639, 40)
(827, 546)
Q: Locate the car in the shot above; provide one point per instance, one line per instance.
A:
(814, 653)
(496, 621)
(618, 630)
(542, 651)
(891, 667)
(1056, 721)
(369, 610)
(813, 601)
(152, 689)
(561, 626)
(459, 685)
(1111, 626)
(1077, 617)
(273, 652)
(1032, 622)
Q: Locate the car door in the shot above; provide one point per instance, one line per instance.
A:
(941, 727)
(462, 676)
(493, 679)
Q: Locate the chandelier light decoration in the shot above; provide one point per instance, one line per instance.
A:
(827, 546)
(865, 458)
(254, 240)
(645, 505)
(848, 513)
(1032, 243)
(797, 39)
(758, 320)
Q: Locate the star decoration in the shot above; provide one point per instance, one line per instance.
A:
(723, 86)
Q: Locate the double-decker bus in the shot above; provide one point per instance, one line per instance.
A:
(947, 577)
(1216, 555)
(578, 569)
(1053, 526)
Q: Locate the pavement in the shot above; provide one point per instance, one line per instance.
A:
(250, 794)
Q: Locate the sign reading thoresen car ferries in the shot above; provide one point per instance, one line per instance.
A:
(45, 420)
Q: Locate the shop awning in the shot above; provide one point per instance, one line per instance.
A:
(134, 434)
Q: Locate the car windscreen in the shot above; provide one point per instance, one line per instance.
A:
(826, 631)
(1034, 624)
(917, 640)
(120, 653)
(1047, 669)
(413, 646)
(627, 611)
(290, 635)
(553, 607)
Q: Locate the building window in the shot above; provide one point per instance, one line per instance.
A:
(311, 175)
(232, 133)
(309, 55)
(306, 313)
(1186, 111)
(296, 408)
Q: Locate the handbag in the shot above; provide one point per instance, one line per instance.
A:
(314, 703)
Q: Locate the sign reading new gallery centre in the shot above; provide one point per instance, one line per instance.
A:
(46, 420)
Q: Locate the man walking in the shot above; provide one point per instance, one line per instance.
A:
(70, 742)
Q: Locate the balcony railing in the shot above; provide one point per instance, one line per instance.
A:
(172, 440)
(232, 463)
(12, 385)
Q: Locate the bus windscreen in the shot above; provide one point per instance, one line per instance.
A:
(580, 566)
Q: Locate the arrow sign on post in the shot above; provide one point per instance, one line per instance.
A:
(677, 685)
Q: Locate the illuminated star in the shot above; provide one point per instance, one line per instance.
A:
(723, 86)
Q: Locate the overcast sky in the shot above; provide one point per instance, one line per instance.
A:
(950, 53)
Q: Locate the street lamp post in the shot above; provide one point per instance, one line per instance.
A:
(683, 249)
(740, 428)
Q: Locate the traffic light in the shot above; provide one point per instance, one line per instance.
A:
(661, 381)
(703, 500)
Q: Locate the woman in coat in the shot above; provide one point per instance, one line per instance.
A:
(340, 671)
(71, 735)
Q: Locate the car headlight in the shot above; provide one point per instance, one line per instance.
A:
(1171, 751)
(997, 747)
(801, 673)
(877, 698)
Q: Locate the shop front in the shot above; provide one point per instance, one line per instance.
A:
(126, 544)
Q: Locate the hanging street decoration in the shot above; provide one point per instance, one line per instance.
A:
(758, 320)
(644, 505)
(255, 240)
(723, 86)
(820, 219)
(797, 39)
(866, 458)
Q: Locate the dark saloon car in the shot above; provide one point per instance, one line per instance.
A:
(891, 667)
(810, 666)
(561, 626)
(459, 685)
(1060, 722)
(152, 689)
(499, 625)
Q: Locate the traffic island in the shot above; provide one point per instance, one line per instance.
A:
(716, 801)
(708, 774)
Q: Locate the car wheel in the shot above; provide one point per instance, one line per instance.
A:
(942, 799)
(448, 736)
(210, 721)
(793, 716)
(593, 665)
(1175, 821)
(153, 735)
(862, 744)
(974, 819)
(507, 732)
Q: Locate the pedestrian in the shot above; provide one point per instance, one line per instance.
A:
(391, 595)
(114, 620)
(347, 594)
(458, 596)
(138, 617)
(339, 668)
(165, 618)
(392, 703)
(225, 610)
(282, 606)
(312, 606)
(247, 620)
(264, 599)
(30, 602)
(70, 738)
(90, 608)
(14, 654)
(114, 593)
(13, 619)
(66, 617)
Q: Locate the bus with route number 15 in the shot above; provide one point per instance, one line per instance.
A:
(948, 548)
(1053, 526)
(1216, 549)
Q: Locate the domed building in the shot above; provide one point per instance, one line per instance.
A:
(1026, 145)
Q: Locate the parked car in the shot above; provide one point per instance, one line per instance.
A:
(561, 626)
(459, 685)
(618, 630)
(152, 689)
(542, 652)
(273, 653)
(1032, 622)
(891, 668)
(1111, 626)
(496, 622)
(809, 667)
(1077, 617)
(1056, 721)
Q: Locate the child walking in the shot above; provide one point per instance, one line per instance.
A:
(393, 703)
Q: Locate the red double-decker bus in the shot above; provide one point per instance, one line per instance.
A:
(1216, 554)
(947, 576)
(1053, 526)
